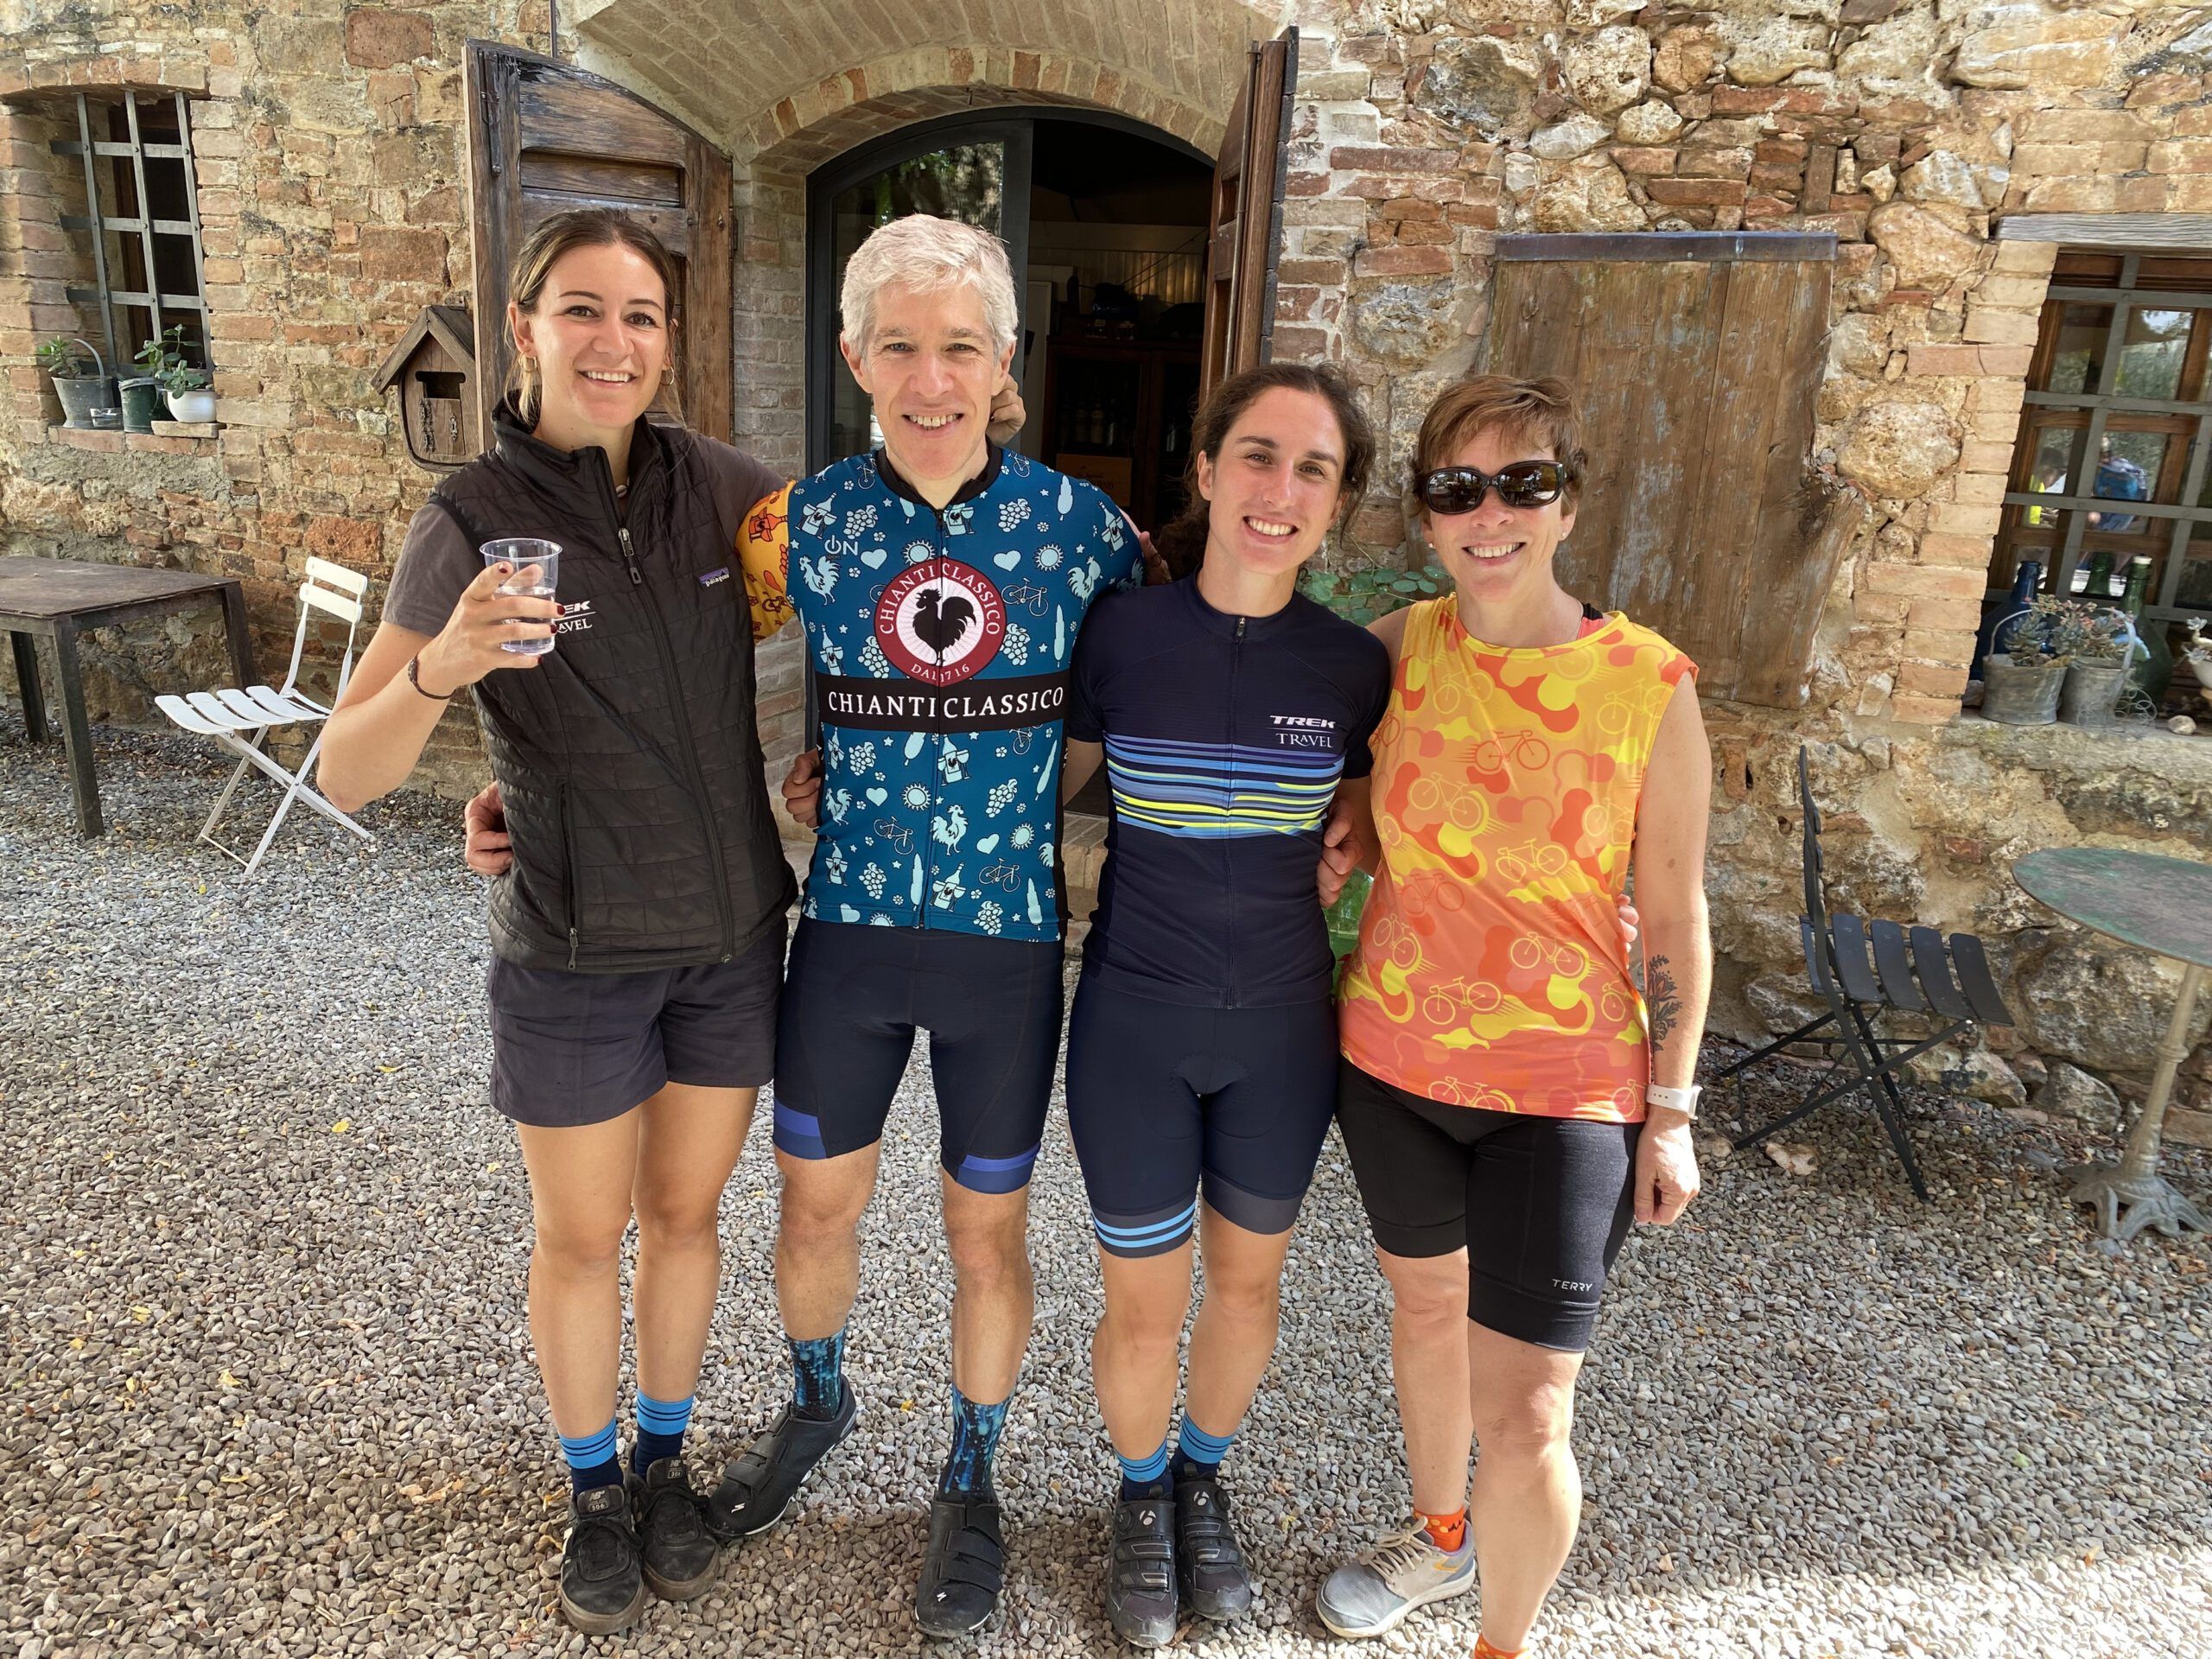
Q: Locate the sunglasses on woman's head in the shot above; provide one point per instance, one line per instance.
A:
(1520, 484)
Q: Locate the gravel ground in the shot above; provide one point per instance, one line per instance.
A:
(269, 1389)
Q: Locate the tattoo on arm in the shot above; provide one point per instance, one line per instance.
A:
(1661, 1000)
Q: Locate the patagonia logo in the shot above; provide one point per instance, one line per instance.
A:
(714, 576)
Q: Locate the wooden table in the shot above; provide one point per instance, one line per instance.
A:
(2165, 905)
(56, 600)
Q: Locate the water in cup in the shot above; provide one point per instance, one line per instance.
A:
(523, 552)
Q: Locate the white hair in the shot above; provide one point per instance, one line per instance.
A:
(927, 254)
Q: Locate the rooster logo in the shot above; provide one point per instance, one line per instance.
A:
(939, 619)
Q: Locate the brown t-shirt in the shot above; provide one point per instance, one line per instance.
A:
(436, 562)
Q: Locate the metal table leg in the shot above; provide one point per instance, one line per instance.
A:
(26, 649)
(76, 731)
(2149, 1199)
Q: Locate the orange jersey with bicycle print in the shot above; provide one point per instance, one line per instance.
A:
(1490, 970)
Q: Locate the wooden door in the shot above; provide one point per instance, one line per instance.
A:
(543, 137)
(1245, 221)
(1697, 358)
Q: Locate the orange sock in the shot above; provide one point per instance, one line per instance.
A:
(1484, 1651)
(1447, 1531)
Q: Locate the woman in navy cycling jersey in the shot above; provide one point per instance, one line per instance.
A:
(1201, 1051)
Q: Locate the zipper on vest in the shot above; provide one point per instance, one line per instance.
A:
(1227, 856)
(568, 873)
(697, 778)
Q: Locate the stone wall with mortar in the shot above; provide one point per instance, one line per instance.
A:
(330, 180)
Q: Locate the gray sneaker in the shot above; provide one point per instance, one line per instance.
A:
(1405, 1571)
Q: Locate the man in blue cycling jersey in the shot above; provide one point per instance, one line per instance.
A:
(941, 581)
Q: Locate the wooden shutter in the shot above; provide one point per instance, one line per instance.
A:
(1698, 357)
(543, 137)
(1245, 222)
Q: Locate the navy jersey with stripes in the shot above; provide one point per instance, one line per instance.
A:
(1226, 737)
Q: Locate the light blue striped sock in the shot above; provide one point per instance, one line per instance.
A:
(1145, 1477)
(1198, 1454)
(661, 1424)
(594, 1460)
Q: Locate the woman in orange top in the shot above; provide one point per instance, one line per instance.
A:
(1508, 1096)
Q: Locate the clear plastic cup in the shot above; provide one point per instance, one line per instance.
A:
(523, 552)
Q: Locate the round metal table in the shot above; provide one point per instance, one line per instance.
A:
(2163, 905)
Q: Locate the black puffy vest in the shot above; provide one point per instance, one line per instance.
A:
(628, 757)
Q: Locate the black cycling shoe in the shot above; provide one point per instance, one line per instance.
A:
(602, 1583)
(678, 1552)
(757, 1485)
(1209, 1567)
(1141, 1602)
(962, 1569)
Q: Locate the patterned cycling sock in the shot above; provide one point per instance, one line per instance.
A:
(1145, 1477)
(1485, 1649)
(1198, 1454)
(818, 1376)
(975, 1430)
(594, 1460)
(661, 1424)
(1448, 1532)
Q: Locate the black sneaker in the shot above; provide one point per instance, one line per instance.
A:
(757, 1485)
(602, 1585)
(1140, 1572)
(964, 1568)
(1210, 1567)
(678, 1552)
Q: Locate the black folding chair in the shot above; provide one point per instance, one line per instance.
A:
(1914, 971)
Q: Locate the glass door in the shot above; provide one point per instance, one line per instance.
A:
(978, 174)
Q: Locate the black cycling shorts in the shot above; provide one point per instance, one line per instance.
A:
(1165, 1100)
(853, 995)
(1541, 1205)
(570, 1049)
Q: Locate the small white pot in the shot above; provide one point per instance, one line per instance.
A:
(192, 405)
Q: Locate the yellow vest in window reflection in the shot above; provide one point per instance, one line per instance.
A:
(1490, 970)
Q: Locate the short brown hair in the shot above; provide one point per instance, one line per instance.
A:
(1538, 411)
(1182, 543)
(585, 227)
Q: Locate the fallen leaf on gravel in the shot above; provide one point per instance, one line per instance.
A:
(341, 1126)
(228, 1381)
(1793, 1159)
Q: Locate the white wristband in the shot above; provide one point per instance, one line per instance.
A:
(1682, 1100)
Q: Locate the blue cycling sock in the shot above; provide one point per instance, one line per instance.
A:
(975, 1430)
(661, 1424)
(818, 1375)
(594, 1460)
(1145, 1477)
(1198, 1454)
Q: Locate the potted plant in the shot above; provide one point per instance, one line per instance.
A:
(160, 357)
(2021, 683)
(1361, 595)
(80, 392)
(2095, 642)
(190, 396)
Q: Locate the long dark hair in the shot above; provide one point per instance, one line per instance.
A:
(585, 227)
(1182, 543)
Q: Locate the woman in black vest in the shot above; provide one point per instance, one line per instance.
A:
(638, 935)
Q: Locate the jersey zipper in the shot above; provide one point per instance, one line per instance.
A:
(1227, 857)
(692, 772)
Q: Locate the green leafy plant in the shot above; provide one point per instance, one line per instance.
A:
(1361, 595)
(61, 358)
(164, 361)
(2083, 633)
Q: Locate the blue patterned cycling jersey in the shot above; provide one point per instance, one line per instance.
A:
(940, 642)
(1226, 737)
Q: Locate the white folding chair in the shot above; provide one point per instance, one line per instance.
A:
(241, 718)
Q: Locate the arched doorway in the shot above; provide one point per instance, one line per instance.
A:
(1105, 220)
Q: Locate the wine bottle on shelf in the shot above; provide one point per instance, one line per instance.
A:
(2147, 674)
(2097, 580)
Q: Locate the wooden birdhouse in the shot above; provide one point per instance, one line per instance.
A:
(432, 367)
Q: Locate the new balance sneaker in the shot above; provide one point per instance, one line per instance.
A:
(1141, 1598)
(1405, 1571)
(603, 1580)
(678, 1552)
(1209, 1565)
(758, 1484)
(964, 1568)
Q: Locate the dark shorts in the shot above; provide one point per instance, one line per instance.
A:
(570, 1049)
(1164, 1101)
(854, 995)
(1541, 1203)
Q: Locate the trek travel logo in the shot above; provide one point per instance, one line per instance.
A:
(574, 618)
(1303, 732)
(940, 621)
